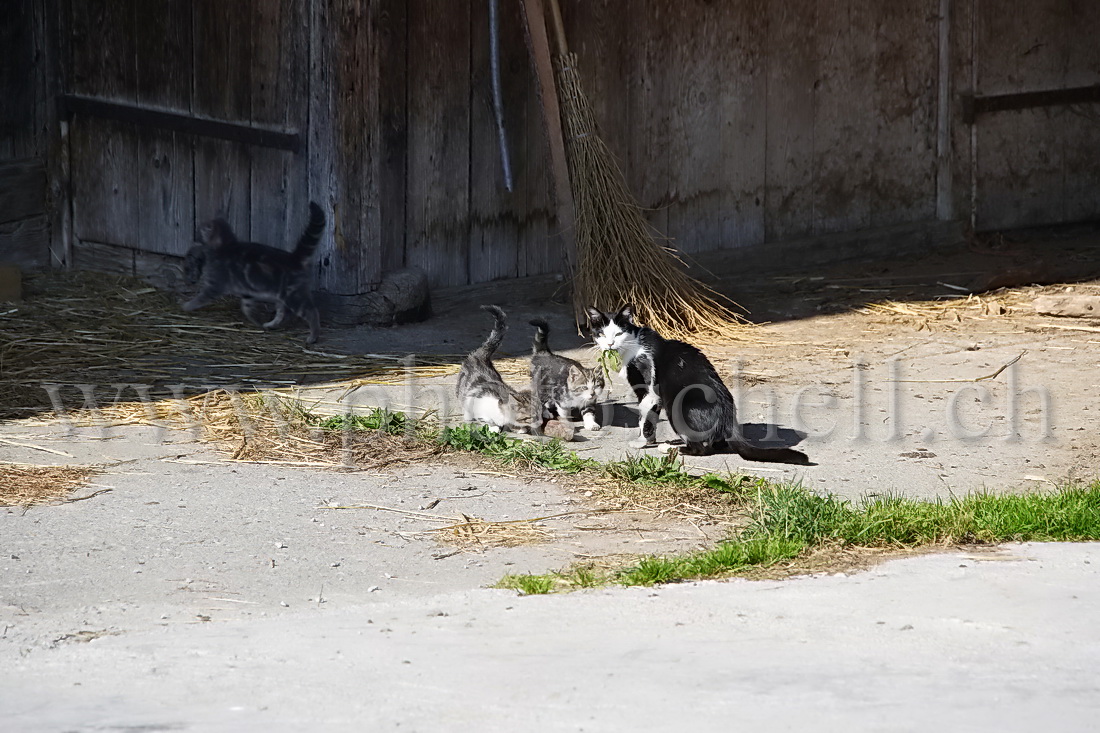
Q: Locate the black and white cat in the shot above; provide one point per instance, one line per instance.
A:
(256, 273)
(484, 394)
(679, 378)
(562, 385)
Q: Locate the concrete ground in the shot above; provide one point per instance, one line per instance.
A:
(201, 596)
(206, 595)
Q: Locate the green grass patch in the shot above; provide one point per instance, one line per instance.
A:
(529, 585)
(787, 520)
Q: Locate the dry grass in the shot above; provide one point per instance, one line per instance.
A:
(619, 260)
(268, 427)
(26, 485)
(474, 532)
(89, 328)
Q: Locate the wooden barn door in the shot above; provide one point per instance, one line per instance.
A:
(180, 110)
(1035, 113)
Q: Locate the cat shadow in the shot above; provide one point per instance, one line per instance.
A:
(767, 435)
(618, 414)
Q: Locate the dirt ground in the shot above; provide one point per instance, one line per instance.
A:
(242, 585)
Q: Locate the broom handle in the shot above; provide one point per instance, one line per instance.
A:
(559, 28)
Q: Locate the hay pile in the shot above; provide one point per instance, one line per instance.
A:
(26, 485)
(474, 532)
(926, 314)
(103, 330)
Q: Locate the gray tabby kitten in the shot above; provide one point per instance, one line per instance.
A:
(561, 384)
(485, 397)
(256, 273)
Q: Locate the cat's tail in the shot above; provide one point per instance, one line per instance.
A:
(492, 343)
(768, 455)
(311, 237)
(542, 331)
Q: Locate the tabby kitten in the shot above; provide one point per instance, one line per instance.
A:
(256, 273)
(677, 376)
(561, 385)
(485, 397)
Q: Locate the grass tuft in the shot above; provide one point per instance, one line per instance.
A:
(787, 520)
(528, 585)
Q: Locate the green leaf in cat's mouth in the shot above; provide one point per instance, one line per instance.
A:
(610, 360)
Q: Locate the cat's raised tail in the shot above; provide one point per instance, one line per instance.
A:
(487, 349)
(310, 238)
(542, 332)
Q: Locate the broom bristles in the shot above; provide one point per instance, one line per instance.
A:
(619, 261)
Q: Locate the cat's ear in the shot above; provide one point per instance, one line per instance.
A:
(627, 314)
(595, 317)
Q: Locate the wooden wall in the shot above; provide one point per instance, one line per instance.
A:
(138, 191)
(738, 123)
(1034, 166)
(24, 220)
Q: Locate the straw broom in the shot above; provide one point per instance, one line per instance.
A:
(619, 261)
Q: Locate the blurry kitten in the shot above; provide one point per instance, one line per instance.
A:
(561, 385)
(221, 265)
(484, 395)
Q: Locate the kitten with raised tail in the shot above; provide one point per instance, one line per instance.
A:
(561, 385)
(256, 273)
(676, 376)
(485, 396)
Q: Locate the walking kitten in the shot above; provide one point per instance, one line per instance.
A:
(256, 273)
(560, 384)
(484, 395)
(670, 374)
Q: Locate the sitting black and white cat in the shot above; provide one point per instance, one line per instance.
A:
(679, 378)
(562, 385)
(256, 273)
(484, 395)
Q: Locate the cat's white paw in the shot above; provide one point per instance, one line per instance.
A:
(494, 428)
(665, 448)
(639, 443)
(590, 423)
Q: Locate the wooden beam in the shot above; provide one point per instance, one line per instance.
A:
(534, 20)
(72, 104)
(980, 105)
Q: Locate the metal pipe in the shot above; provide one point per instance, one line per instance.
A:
(498, 96)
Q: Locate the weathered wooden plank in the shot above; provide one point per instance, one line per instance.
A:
(1020, 154)
(165, 167)
(598, 33)
(26, 242)
(1082, 125)
(844, 145)
(648, 148)
(344, 143)
(535, 168)
(104, 153)
(494, 218)
(18, 79)
(392, 90)
(789, 148)
(22, 189)
(544, 173)
(439, 141)
(696, 46)
(100, 257)
(104, 182)
(904, 37)
(279, 90)
(222, 90)
(717, 113)
(961, 82)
